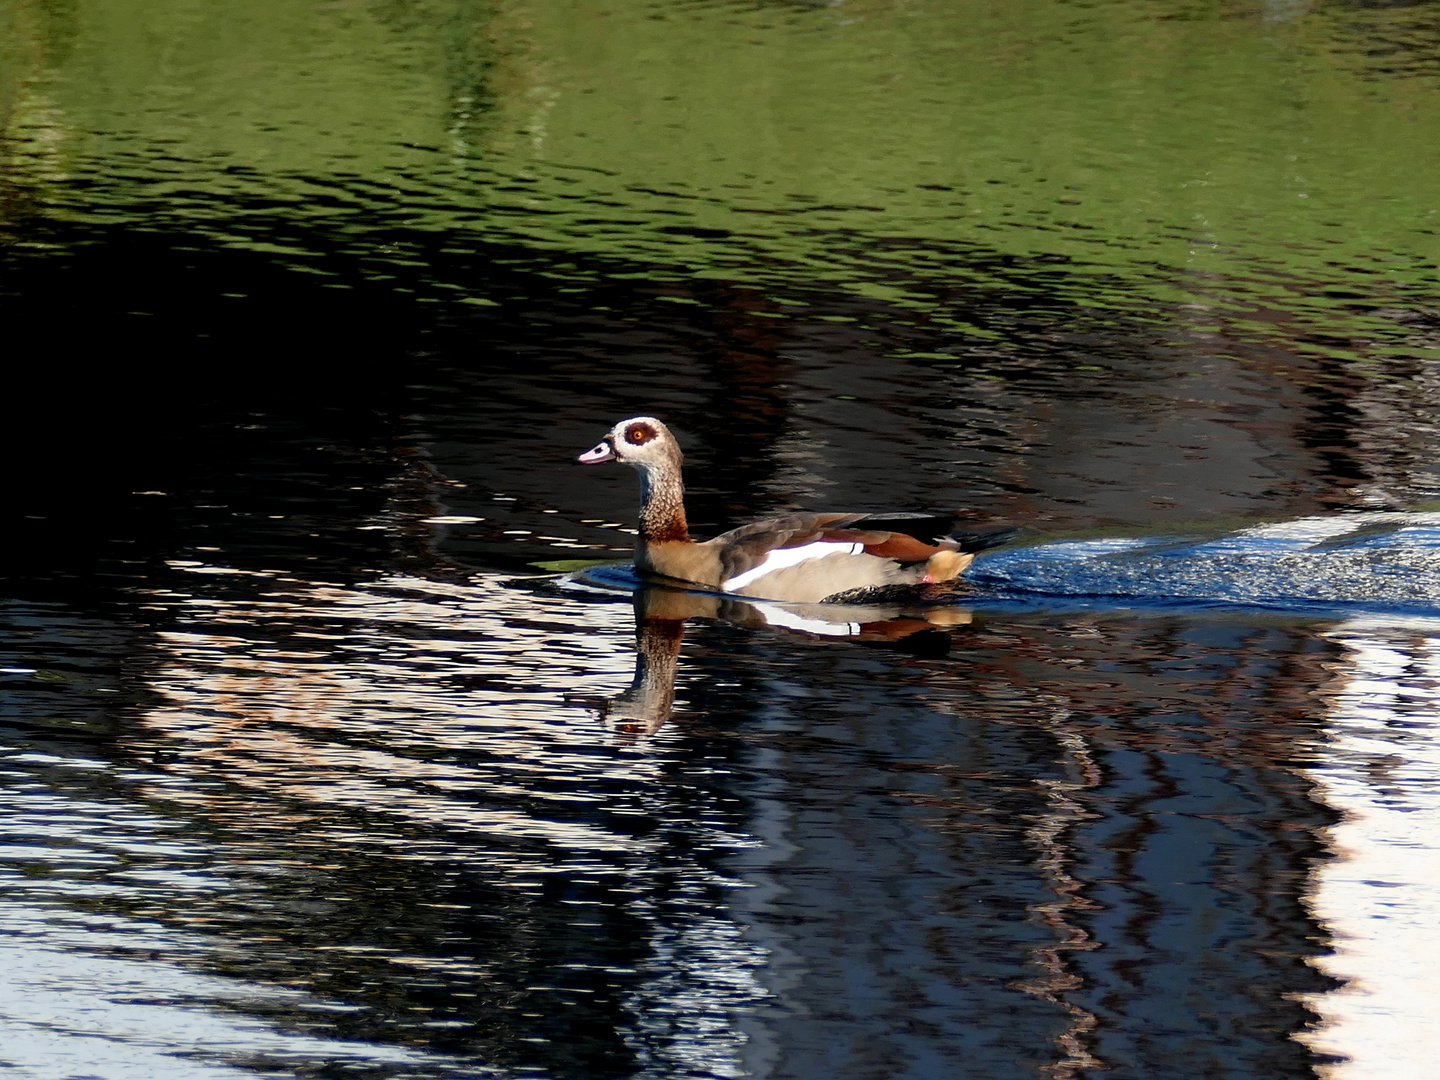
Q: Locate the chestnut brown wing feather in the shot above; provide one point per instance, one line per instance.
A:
(899, 546)
(934, 532)
(927, 528)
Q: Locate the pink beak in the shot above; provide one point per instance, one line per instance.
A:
(602, 452)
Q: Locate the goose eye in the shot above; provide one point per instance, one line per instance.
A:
(637, 435)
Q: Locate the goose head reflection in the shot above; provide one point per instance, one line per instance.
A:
(662, 612)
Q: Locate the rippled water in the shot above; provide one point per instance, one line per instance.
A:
(318, 757)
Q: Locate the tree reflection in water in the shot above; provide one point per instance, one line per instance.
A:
(1070, 840)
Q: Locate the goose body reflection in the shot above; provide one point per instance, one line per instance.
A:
(801, 558)
(661, 613)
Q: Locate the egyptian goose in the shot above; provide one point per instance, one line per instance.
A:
(800, 558)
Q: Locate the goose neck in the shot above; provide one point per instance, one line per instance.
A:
(662, 504)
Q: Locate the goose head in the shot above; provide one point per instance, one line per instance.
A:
(641, 441)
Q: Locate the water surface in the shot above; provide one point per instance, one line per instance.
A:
(310, 770)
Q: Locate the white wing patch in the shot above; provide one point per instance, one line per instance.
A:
(780, 558)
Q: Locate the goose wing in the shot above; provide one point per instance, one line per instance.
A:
(905, 537)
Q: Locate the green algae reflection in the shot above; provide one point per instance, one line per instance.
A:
(1271, 169)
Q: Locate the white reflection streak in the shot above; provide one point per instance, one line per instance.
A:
(700, 975)
(326, 697)
(87, 992)
(1380, 897)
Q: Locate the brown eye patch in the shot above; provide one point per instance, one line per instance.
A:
(639, 433)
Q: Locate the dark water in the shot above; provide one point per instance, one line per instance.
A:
(309, 769)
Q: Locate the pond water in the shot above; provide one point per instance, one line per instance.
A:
(318, 758)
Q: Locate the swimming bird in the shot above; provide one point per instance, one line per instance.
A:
(800, 558)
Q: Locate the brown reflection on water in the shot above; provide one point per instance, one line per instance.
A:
(1064, 916)
(413, 820)
(337, 704)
